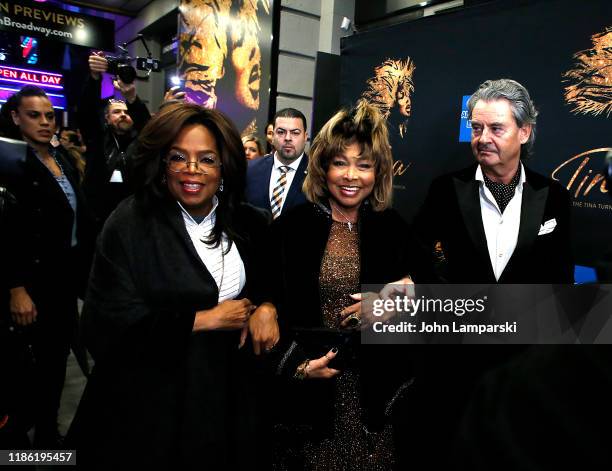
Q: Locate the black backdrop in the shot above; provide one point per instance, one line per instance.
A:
(532, 42)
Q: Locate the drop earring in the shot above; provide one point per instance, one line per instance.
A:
(163, 179)
(221, 186)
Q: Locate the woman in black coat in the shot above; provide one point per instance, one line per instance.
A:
(339, 394)
(174, 290)
(49, 240)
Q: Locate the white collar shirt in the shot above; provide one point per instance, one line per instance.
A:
(226, 269)
(501, 230)
(276, 173)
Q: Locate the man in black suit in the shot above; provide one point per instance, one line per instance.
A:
(498, 221)
(274, 182)
(494, 222)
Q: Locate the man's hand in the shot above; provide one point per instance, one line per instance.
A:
(97, 65)
(263, 328)
(391, 291)
(128, 90)
(174, 94)
(403, 287)
(23, 309)
(232, 314)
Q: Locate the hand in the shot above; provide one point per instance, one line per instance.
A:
(318, 369)
(349, 313)
(365, 316)
(128, 90)
(401, 288)
(23, 309)
(97, 65)
(263, 328)
(174, 94)
(232, 314)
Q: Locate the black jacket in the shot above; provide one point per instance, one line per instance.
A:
(161, 395)
(451, 217)
(299, 241)
(107, 151)
(40, 233)
(449, 227)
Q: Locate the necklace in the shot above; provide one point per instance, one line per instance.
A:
(350, 223)
(52, 155)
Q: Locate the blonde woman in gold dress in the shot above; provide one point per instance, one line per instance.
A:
(337, 395)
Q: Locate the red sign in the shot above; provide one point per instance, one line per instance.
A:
(31, 77)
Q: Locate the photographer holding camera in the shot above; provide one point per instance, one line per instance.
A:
(107, 181)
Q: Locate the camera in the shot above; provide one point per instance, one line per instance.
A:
(120, 65)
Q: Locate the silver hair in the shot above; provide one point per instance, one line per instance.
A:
(523, 109)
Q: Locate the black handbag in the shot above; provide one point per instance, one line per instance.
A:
(316, 342)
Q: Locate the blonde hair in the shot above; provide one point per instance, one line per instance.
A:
(255, 139)
(364, 125)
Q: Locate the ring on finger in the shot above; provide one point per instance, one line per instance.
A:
(353, 320)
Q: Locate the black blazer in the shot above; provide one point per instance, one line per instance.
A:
(451, 217)
(450, 229)
(386, 256)
(258, 183)
(40, 234)
(159, 393)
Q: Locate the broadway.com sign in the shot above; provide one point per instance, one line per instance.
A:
(46, 22)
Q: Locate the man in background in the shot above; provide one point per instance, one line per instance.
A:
(274, 182)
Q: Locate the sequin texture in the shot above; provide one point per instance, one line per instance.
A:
(351, 447)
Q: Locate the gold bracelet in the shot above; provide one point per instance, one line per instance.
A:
(300, 372)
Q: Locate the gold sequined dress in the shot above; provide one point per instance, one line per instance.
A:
(351, 447)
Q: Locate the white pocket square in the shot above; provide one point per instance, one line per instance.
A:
(548, 227)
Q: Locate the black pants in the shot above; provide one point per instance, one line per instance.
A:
(50, 337)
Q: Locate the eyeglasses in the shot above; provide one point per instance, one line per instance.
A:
(178, 162)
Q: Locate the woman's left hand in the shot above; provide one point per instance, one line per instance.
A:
(355, 311)
(263, 328)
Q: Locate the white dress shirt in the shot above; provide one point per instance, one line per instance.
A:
(500, 229)
(276, 173)
(226, 269)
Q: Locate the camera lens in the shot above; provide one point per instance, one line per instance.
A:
(126, 73)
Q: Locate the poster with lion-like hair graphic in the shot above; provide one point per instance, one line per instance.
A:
(590, 81)
(224, 58)
(391, 88)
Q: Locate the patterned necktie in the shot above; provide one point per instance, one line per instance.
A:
(503, 193)
(278, 191)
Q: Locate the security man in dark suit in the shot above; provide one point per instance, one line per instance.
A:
(274, 182)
